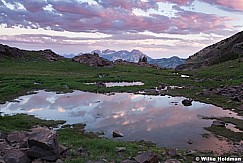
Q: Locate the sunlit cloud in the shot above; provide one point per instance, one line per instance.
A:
(158, 27)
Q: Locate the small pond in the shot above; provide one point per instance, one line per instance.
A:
(160, 119)
(119, 84)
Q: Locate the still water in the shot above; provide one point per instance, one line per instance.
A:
(160, 119)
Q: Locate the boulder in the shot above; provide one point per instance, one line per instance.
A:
(172, 152)
(190, 141)
(38, 152)
(5, 147)
(43, 144)
(18, 139)
(147, 157)
(121, 149)
(93, 60)
(116, 134)
(218, 123)
(187, 102)
(3, 135)
(16, 156)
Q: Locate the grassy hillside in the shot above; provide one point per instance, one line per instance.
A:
(17, 77)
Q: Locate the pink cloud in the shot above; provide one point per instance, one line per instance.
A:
(111, 16)
(127, 4)
(236, 5)
(178, 2)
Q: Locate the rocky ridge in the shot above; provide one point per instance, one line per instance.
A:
(15, 53)
(227, 49)
(93, 60)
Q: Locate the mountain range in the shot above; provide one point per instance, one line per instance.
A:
(135, 55)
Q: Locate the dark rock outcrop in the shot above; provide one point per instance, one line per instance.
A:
(8, 52)
(234, 93)
(227, 49)
(50, 55)
(93, 60)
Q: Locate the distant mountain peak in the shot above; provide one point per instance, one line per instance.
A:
(134, 56)
(108, 51)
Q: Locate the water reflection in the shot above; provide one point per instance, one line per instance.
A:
(119, 84)
(154, 118)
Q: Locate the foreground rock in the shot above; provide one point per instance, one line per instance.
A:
(24, 147)
(43, 144)
(147, 157)
(93, 60)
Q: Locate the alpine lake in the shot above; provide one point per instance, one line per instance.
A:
(161, 119)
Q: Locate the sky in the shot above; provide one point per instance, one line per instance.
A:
(158, 28)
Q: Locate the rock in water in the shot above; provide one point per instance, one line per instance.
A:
(187, 102)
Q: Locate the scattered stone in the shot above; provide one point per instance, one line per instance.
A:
(191, 152)
(59, 161)
(100, 84)
(147, 157)
(116, 134)
(18, 139)
(190, 141)
(172, 152)
(5, 147)
(65, 86)
(218, 123)
(187, 102)
(172, 161)
(1, 160)
(82, 152)
(128, 161)
(162, 86)
(62, 149)
(121, 149)
(3, 135)
(16, 156)
(37, 161)
(234, 93)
